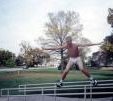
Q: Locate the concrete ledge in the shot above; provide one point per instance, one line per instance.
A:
(107, 68)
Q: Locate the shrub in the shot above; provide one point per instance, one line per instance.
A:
(10, 63)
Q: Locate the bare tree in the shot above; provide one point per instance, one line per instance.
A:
(25, 47)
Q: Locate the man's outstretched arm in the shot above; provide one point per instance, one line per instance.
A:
(86, 45)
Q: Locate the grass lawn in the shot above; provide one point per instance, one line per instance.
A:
(13, 79)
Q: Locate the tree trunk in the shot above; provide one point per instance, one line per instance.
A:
(106, 59)
(62, 61)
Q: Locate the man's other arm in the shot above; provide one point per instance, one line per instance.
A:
(56, 48)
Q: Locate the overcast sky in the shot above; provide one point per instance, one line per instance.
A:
(25, 19)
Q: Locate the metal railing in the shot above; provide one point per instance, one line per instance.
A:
(81, 88)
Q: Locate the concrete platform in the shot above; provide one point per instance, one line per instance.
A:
(48, 98)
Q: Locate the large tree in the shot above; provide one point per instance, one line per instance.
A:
(107, 47)
(59, 26)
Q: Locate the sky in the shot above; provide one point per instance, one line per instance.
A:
(25, 19)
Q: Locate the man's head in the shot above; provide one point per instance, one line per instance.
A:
(68, 39)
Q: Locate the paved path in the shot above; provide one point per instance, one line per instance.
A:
(10, 69)
(20, 69)
(49, 98)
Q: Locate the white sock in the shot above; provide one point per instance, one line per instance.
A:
(61, 80)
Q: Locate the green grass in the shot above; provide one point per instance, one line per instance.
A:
(13, 79)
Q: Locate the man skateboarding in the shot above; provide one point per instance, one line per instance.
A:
(74, 58)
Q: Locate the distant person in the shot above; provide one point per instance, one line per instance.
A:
(74, 58)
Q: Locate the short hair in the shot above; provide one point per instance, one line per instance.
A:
(68, 38)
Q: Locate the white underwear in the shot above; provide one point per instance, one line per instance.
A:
(77, 61)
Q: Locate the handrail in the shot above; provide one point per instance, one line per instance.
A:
(36, 88)
(41, 84)
(70, 86)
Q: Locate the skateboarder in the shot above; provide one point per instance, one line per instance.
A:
(74, 58)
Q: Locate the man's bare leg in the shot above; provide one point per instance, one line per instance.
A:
(64, 74)
(86, 72)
